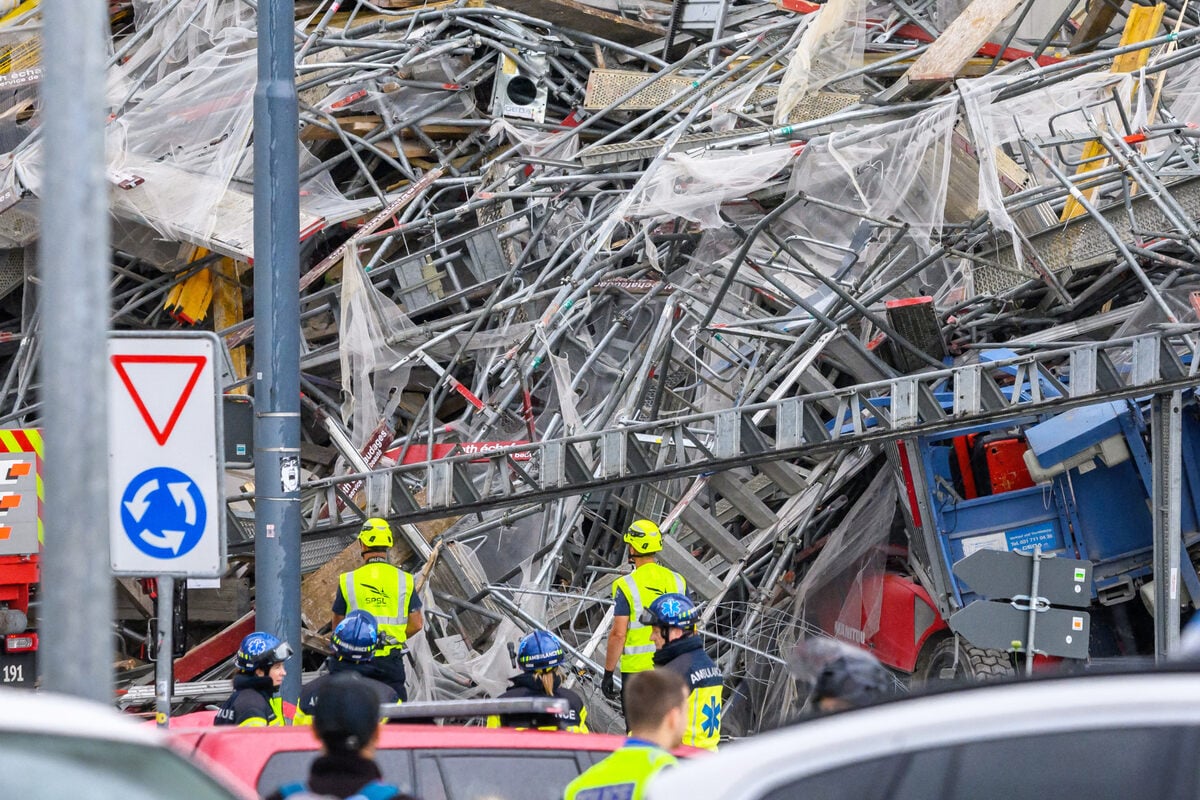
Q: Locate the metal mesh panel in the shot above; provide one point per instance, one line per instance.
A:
(1082, 242)
(314, 553)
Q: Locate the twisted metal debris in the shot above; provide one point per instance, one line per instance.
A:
(564, 272)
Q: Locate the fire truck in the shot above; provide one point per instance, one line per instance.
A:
(20, 545)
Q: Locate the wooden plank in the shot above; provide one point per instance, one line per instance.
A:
(578, 17)
(1100, 15)
(961, 40)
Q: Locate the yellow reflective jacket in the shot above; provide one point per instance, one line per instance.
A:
(386, 592)
(641, 588)
(624, 774)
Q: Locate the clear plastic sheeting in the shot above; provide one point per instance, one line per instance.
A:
(830, 45)
(695, 187)
(890, 171)
(849, 570)
(370, 387)
(1054, 111)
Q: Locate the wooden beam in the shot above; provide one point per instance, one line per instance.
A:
(1100, 15)
(578, 17)
(961, 40)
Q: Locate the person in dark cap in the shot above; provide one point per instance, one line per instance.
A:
(346, 722)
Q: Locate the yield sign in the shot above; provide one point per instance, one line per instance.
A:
(159, 376)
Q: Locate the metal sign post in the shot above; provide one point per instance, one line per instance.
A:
(1021, 616)
(165, 461)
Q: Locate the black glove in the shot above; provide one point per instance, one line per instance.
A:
(608, 687)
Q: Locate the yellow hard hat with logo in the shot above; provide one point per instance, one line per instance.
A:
(376, 533)
(644, 537)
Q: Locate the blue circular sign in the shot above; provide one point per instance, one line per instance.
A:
(163, 513)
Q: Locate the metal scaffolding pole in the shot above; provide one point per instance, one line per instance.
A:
(277, 334)
(77, 606)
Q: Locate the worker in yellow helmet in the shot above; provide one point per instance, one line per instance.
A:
(388, 593)
(629, 643)
(657, 720)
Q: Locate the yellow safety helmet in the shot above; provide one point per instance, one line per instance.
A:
(376, 533)
(643, 537)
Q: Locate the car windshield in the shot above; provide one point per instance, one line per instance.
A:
(38, 767)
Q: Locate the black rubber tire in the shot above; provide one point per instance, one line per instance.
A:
(974, 663)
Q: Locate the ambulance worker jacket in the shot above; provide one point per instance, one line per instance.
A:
(253, 703)
(528, 685)
(634, 593)
(623, 775)
(686, 657)
(310, 694)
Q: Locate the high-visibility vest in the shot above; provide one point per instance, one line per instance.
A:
(704, 718)
(386, 592)
(623, 774)
(276, 721)
(641, 588)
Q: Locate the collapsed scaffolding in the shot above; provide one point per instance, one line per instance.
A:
(564, 268)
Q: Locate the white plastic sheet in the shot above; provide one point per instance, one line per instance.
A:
(695, 187)
(1056, 110)
(370, 389)
(829, 45)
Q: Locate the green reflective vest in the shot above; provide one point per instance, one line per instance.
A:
(386, 592)
(621, 776)
(641, 588)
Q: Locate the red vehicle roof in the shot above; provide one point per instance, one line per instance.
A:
(244, 752)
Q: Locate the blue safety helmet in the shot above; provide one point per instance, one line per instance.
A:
(355, 637)
(540, 650)
(259, 650)
(672, 610)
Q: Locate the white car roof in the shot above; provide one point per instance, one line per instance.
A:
(25, 711)
(750, 767)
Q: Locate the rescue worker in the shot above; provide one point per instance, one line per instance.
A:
(354, 640)
(255, 701)
(629, 640)
(672, 622)
(347, 725)
(840, 676)
(657, 719)
(386, 592)
(539, 656)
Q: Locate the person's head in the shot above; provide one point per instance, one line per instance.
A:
(375, 536)
(263, 655)
(644, 539)
(346, 719)
(839, 675)
(355, 637)
(541, 653)
(656, 707)
(671, 616)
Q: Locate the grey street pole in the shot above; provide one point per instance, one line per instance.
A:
(164, 664)
(75, 623)
(1166, 421)
(277, 335)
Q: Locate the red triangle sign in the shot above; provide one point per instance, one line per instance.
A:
(161, 432)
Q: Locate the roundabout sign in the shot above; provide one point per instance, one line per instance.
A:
(164, 456)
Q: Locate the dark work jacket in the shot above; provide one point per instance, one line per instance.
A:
(340, 775)
(251, 698)
(309, 696)
(686, 656)
(528, 685)
(368, 669)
